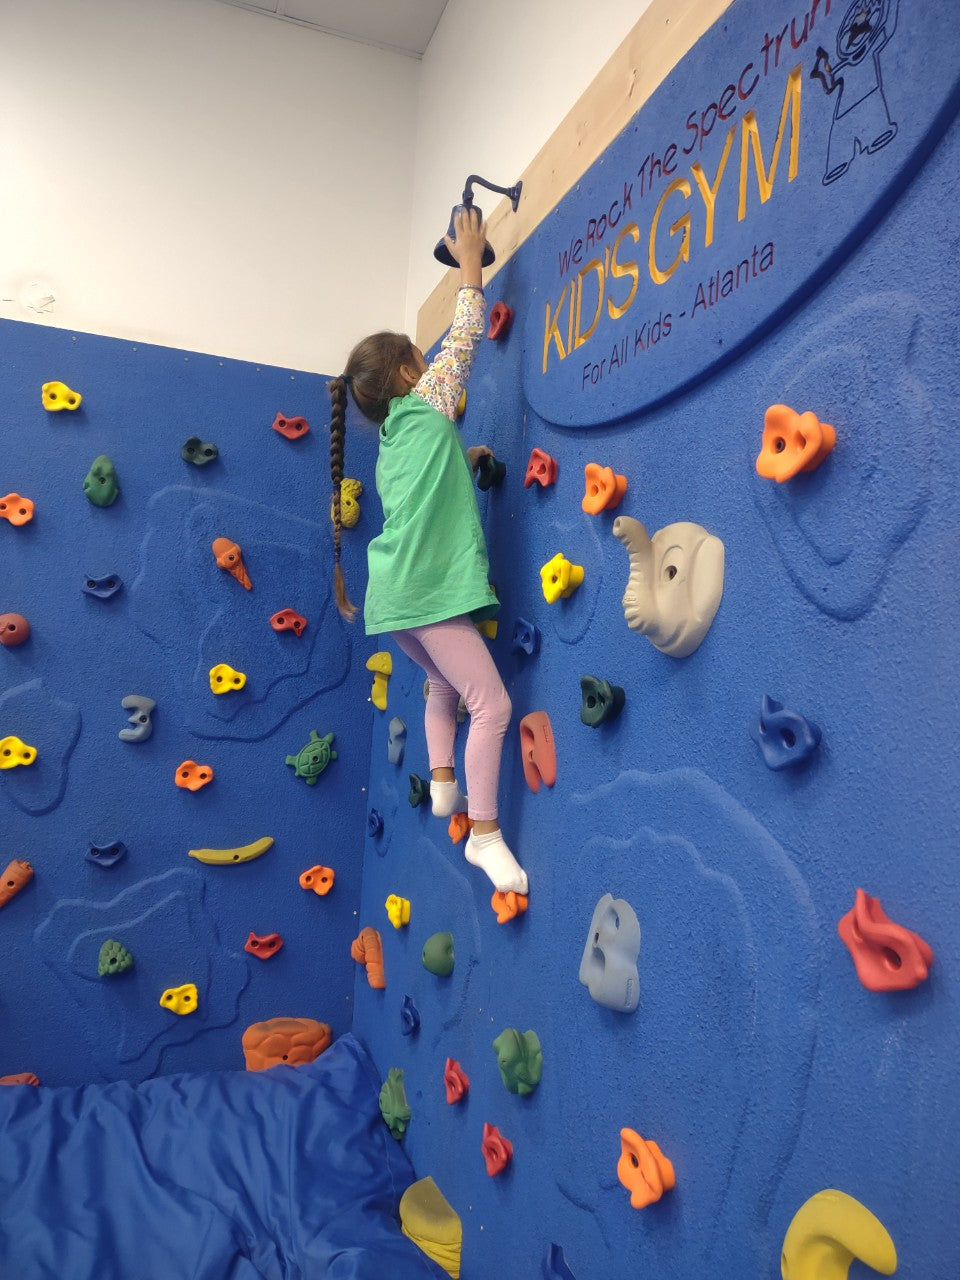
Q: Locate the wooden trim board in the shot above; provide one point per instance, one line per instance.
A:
(663, 35)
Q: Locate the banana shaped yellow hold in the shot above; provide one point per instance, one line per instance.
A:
(224, 857)
(827, 1232)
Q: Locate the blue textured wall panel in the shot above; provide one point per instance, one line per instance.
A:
(176, 616)
(756, 1059)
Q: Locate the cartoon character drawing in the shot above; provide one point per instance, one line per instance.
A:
(861, 120)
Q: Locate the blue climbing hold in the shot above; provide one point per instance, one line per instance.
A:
(526, 638)
(375, 823)
(555, 1265)
(105, 855)
(784, 737)
(103, 588)
(409, 1017)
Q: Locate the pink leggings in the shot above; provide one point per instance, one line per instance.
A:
(457, 661)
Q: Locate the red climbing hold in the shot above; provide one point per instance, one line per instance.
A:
(887, 956)
(501, 318)
(292, 428)
(455, 1080)
(288, 620)
(537, 751)
(540, 468)
(497, 1150)
(263, 945)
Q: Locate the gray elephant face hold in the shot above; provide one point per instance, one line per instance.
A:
(609, 966)
(675, 583)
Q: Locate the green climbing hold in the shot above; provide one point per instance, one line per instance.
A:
(520, 1060)
(114, 959)
(437, 954)
(101, 484)
(311, 760)
(393, 1103)
(419, 791)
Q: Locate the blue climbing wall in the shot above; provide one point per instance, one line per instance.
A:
(176, 616)
(756, 1059)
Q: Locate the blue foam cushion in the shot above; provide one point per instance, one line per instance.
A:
(284, 1173)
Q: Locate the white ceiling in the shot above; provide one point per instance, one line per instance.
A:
(403, 26)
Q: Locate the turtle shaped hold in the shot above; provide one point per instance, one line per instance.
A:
(311, 760)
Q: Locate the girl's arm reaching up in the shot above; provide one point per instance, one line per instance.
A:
(444, 380)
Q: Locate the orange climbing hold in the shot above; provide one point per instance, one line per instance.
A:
(604, 488)
(643, 1169)
(230, 558)
(887, 956)
(509, 905)
(192, 776)
(16, 509)
(17, 876)
(22, 1077)
(459, 827)
(319, 879)
(792, 442)
(290, 1040)
(367, 949)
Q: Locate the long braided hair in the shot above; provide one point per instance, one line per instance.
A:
(371, 374)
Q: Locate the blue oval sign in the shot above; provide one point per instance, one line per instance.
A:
(739, 187)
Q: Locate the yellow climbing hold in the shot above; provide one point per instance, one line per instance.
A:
(224, 857)
(560, 578)
(827, 1232)
(381, 664)
(350, 491)
(224, 679)
(14, 752)
(57, 396)
(462, 403)
(432, 1224)
(398, 910)
(488, 628)
(180, 1000)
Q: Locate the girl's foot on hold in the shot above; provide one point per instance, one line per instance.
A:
(491, 854)
(446, 799)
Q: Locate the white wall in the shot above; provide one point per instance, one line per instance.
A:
(191, 174)
(495, 82)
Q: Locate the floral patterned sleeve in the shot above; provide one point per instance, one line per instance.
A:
(444, 380)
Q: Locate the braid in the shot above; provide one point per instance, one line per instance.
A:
(338, 413)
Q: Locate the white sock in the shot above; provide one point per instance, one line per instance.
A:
(446, 799)
(491, 853)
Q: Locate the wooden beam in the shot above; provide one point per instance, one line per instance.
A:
(664, 34)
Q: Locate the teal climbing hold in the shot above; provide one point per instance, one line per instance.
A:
(311, 760)
(114, 958)
(419, 791)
